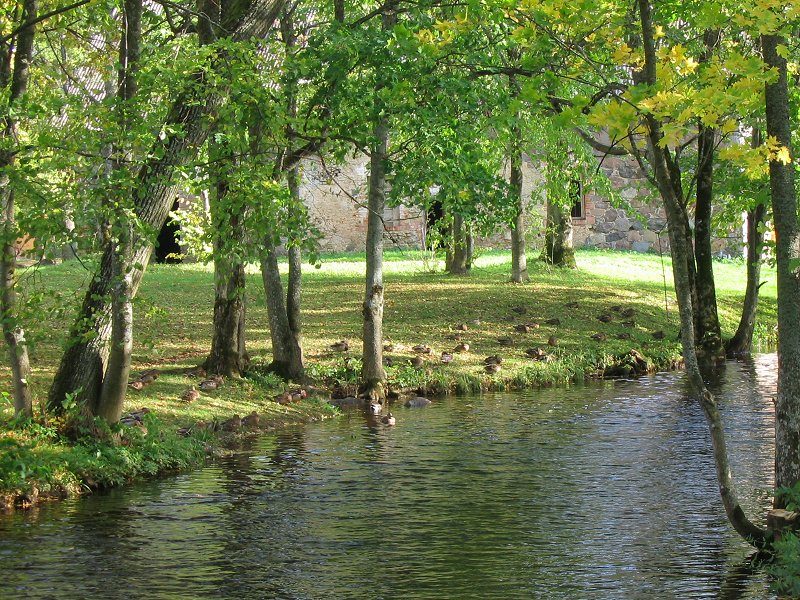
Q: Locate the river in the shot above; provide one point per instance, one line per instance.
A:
(602, 490)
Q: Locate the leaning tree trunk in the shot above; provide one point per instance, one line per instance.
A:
(742, 341)
(83, 363)
(287, 356)
(459, 261)
(13, 332)
(683, 288)
(787, 253)
(558, 249)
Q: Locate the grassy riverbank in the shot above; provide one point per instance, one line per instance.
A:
(173, 332)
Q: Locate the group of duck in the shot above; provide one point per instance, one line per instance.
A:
(492, 364)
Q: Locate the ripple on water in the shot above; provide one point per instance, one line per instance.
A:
(598, 491)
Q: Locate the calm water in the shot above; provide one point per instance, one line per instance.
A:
(599, 491)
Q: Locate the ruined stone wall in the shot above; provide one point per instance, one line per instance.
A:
(336, 196)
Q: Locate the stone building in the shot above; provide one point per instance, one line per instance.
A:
(336, 199)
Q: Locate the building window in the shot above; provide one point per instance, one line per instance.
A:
(578, 204)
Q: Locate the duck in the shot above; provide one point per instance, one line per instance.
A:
(417, 402)
(388, 361)
(520, 310)
(552, 341)
(252, 420)
(657, 335)
(605, 318)
(422, 349)
(492, 368)
(340, 346)
(208, 385)
(196, 372)
(297, 395)
(492, 360)
(572, 304)
(624, 336)
(505, 341)
(389, 420)
(628, 313)
(232, 424)
(476, 322)
(375, 408)
(447, 357)
(190, 395)
(522, 328)
(616, 308)
(462, 327)
(417, 362)
(555, 321)
(629, 323)
(136, 385)
(462, 347)
(536, 353)
(388, 347)
(599, 337)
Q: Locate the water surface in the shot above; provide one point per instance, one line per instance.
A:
(601, 491)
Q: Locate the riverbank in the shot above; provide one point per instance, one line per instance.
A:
(619, 298)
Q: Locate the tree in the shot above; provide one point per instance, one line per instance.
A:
(183, 131)
(16, 55)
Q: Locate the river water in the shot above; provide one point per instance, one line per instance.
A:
(602, 490)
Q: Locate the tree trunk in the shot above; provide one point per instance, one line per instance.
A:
(558, 249)
(683, 288)
(460, 254)
(742, 341)
(294, 284)
(13, 333)
(115, 380)
(709, 342)
(787, 252)
(519, 258)
(287, 356)
(372, 374)
(81, 369)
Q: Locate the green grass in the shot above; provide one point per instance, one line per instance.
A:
(173, 333)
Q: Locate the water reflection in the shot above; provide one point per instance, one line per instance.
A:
(598, 491)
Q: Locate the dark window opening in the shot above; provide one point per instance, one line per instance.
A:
(578, 210)
(168, 249)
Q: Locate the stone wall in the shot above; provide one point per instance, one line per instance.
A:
(336, 196)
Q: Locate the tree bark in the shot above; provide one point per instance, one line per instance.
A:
(82, 365)
(287, 356)
(460, 255)
(373, 375)
(709, 342)
(115, 380)
(558, 248)
(228, 355)
(519, 258)
(294, 284)
(787, 252)
(13, 333)
(680, 267)
(742, 341)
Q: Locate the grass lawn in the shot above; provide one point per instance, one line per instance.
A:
(174, 310)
